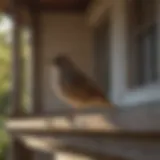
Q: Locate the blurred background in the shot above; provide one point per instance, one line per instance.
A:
(6, 75)
(115, 42)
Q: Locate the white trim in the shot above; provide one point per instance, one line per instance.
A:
(140, 96)
(118, 71)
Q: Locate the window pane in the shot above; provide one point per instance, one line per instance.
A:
(143, 54)
(140, 60)
(146, 56)
(153, 53)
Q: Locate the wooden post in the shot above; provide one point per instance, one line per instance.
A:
(17, 64)
(17, 150)
(36, 61)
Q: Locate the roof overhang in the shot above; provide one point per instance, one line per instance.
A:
(4, 5)
(49, 5)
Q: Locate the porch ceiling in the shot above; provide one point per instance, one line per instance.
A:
(64, 4)
(53, 5)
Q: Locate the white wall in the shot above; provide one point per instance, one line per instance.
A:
(65, 33)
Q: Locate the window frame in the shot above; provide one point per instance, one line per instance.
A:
(120, 94)
(144, 94)
(139, 30)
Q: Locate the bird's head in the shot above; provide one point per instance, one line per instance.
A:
(62, 61)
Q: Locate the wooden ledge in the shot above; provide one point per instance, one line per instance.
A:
(92, 120)
(49, 145)
(57, 127)
(129, 133)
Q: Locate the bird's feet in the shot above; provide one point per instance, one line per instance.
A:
(74, 120)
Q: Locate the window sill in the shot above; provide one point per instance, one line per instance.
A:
(140, 96)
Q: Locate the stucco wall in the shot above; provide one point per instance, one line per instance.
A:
(68, 33)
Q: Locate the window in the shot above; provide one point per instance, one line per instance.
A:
(134, 54)
(143, 63)
(141, 84)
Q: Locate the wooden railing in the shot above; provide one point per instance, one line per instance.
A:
(129, 133)
(119, 132)
(17, 149)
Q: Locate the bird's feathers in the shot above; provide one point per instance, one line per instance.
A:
(77, 88)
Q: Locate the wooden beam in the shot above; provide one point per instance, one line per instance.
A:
(16, 149)
(88, 133)
(58, 127)
(16, 109)
(140, 119)
(49, 7)
(49, 145)
(115, 147)
(57, 6)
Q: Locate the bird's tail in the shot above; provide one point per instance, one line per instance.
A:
(104, 103)
(107, 104)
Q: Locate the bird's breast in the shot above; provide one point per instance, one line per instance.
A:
(55, 81)
(58, 89)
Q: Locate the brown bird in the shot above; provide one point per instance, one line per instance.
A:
(72, 86)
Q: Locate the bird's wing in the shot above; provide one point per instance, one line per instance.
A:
(82, 87)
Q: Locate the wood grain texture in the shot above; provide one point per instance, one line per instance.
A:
(137, 119)
(109, 147)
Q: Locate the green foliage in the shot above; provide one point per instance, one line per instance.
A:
(5, 76)
(5, 79)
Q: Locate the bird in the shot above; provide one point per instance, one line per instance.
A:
(73, 86)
